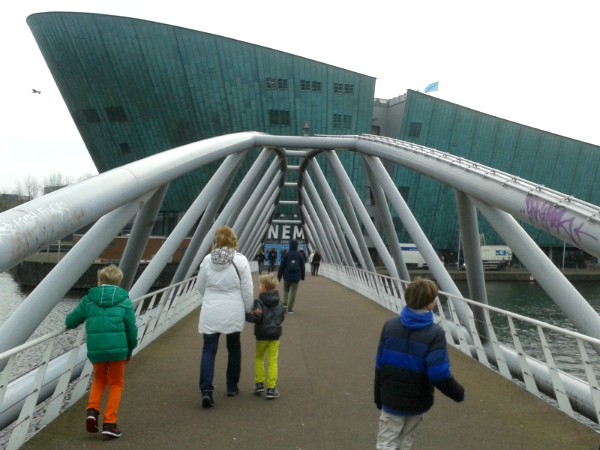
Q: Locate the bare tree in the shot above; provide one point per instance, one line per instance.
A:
(31, 187)
(85, 176)
(56, 180)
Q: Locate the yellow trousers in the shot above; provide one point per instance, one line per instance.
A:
(271, 350)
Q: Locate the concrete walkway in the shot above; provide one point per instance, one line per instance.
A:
(326, 371)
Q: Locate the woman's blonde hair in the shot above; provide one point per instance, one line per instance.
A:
(420, 293)
(225, 237)
(110, 275)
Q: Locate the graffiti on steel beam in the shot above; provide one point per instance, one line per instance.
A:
(556, 220)
(23, 226)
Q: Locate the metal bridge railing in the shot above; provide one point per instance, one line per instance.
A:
(45, 376)
(552, 363)
(555, 364)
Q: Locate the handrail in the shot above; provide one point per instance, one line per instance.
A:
(30, 401)
(522, 359)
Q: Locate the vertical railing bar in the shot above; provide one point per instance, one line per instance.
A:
(460, 332)
(525, 369)
(498, 354)
(54, 406)
(19, 432)
(591, 377)
(5, 376)
(559, 390)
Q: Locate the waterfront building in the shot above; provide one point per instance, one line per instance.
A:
(136, 88)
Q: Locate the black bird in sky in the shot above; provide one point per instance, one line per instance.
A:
(34, 91)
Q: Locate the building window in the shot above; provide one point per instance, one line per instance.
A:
(342, 121)
(277, 83)
(91, 115)
(348, 89)
(414, 129)
(116, 114)
(337, 121)
(347, 121)
(279, 117)
(338, 88)
(306, 85)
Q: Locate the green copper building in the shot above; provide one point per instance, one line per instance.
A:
(135, 88)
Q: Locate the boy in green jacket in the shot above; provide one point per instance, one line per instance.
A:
(111, 337)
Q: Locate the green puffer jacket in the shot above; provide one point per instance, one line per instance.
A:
(109, 323)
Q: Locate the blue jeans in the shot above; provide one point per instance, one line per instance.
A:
(207, 362)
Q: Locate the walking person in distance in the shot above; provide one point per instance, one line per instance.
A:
(292, 270)
(260, 259)
(225, 283)
(272, 259)
(316, 263)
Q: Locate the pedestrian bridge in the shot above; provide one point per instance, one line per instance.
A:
(42, 377)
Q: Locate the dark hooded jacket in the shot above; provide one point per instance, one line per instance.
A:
(412, 359)
(267, 315)
(109, 322)
(284, 271)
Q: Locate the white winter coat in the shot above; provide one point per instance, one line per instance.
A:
(226, 296)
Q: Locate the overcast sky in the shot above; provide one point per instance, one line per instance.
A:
(532, 62)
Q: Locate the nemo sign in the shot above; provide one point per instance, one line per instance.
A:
(285, 233)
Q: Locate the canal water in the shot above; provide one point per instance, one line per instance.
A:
(529, 299)
(521, 297)
(12, 295)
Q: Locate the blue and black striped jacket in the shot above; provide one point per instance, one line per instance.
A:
(411, 360)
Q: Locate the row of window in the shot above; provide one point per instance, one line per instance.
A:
(282, 117)
(113, 113)
(307, 85)
(276, 117)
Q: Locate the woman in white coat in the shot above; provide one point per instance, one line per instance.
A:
(225, 283)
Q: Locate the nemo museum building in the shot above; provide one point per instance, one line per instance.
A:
(135, 88)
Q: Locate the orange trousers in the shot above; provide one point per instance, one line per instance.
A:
(110, 373)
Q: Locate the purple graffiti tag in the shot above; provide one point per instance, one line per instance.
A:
(553, 219)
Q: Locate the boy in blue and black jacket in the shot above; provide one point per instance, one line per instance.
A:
(267, 314)
(412, 359)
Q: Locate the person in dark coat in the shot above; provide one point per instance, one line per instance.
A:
(315, 263)
(260, 259)
(267, 315)
(292, 269)
(272, 259)
(412, 359)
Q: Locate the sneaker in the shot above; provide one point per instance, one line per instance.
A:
(258, 388)
(91, 420)
(233, 392)
(207, 400)
(290, 312)
(272, 393)
(111, 430)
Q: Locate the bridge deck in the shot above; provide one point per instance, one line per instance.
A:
(326, 380)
